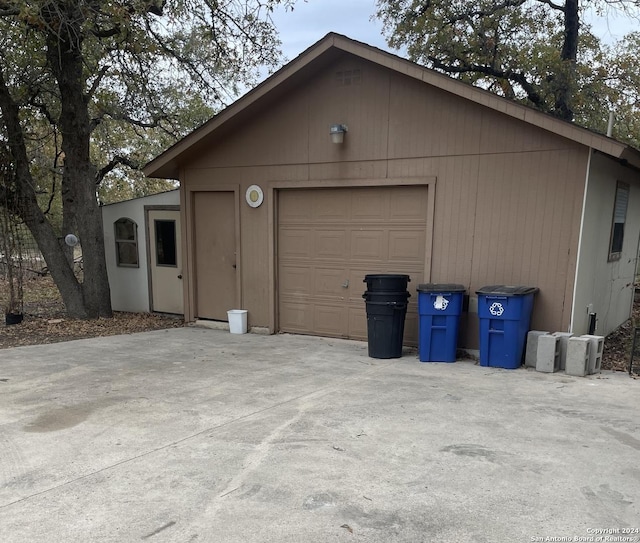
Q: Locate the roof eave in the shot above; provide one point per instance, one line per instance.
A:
(631, 157)
(167, 164)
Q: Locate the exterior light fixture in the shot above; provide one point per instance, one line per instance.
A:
(337, 132)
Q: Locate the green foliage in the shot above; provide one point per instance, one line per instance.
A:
(153, 71)
(91, 90)
(621, 81)
(522, 49)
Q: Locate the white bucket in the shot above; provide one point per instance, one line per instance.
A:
(237, 321)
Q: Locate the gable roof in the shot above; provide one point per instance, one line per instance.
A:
(330, 47)
(140, 198)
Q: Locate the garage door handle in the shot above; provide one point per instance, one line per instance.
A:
(345, 284)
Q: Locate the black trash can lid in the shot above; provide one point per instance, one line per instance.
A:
(441, 287)
(507, 290)
(376, 276)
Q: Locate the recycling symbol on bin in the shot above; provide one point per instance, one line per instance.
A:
(496, 309)
(441, 303)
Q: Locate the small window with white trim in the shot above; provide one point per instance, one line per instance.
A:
(126, 232)
(619, 220)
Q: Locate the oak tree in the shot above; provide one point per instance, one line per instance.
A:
(88, 87)
(537, 51)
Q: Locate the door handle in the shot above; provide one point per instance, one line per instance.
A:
(345, 284)
(234, 266)
(180, 276)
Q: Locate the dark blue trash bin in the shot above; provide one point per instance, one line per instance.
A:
(505, 318)
(439, 309)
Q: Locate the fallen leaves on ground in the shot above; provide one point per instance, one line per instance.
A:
(617, 348)
(45, 320)
(34, 330)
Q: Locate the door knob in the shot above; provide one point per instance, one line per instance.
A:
(180, 276)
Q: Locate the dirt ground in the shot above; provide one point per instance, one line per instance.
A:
(617, 345)
(46, 322)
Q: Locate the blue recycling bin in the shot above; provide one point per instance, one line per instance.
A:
(505, 319)
(439, 309)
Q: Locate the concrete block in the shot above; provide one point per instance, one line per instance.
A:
(531, 352)
(578, 351)
(597, 349)
(548, 359)
(564, 340)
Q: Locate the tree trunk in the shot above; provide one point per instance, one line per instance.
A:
(51, 247)
(91, 297)
(79, 177)
(566, 76)
(25, 203)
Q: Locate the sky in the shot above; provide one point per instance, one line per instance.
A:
(313, 19)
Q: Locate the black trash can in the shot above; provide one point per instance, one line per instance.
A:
(398, 297)
(386, 300)
(386, 282)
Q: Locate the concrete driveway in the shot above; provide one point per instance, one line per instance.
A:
(197, 435)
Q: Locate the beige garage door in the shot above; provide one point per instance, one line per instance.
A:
(329, 239)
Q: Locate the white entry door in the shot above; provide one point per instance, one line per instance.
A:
(165, 261)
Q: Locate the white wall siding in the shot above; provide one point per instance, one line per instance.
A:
(603, 287)
(130, 286)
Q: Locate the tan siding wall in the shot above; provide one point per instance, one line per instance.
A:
(279, 135)
(511, 219)
(525, 230)
(255, 260)
(507, 200)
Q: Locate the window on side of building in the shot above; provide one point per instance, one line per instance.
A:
(166, 254)
(126, 243)
(619, 220)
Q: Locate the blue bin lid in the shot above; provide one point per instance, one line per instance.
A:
(507, 290)
(441, 287)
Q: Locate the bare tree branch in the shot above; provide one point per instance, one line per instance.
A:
(106, 33)
(55, 173)
(8, 9)
(113, 163)
(467, 15)
(96, 81)
(42, 108)
(553, 5)
(511, 75)
(16, 143)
